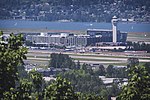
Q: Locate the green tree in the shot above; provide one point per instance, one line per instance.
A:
(61, 61)
(12, 54)
(22, 74)
(78, 65)
(114, 90)
(147, 66)
(61, 89)
(132, 61)
(37, 80)
(84, 67)
(138, 87)
(83, 81)
(10, 95)
(90, 97)
(24, 90)
(100, 71)
(129, 45)
(110, 71)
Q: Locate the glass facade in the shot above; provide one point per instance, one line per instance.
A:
(107, 35)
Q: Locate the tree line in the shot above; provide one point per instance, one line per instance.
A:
(61, 61)
(138, 46)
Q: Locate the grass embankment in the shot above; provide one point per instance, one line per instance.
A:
(134, 37)
(85, 58)
(47, 55)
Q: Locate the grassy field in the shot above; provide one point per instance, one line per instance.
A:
(13, 30)
(134, 37)
(44, 56)
(102, 55)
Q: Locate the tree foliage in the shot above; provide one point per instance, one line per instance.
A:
(83, 82)
(37, 79)
(38, 83)
(61, 89)
(100, 71)
(83, 96)
(24, 90)
(61, 61)
(116, 72)
(132, 61)
(138, 87)
(109, 71)
(138, 46)
(12, 54)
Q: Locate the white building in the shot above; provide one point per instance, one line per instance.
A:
(114, 28)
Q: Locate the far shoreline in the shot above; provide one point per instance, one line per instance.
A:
(25, 30)
(17, 30)
(68, 21)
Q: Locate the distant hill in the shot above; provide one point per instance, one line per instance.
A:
(76, 10)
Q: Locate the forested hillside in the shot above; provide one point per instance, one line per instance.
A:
(75, 10)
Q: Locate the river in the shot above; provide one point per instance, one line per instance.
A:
(83, 26)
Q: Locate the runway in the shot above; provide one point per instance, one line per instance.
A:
(91, 58)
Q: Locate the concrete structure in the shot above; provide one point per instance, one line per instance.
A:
(113, 35)
(114, 28)
(107, 35)
(43, 34)
(65, 39)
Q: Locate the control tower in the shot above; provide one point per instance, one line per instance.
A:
(114, 28)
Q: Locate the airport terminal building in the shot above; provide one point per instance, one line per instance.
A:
(92, 37)
(64, 39)
(67, 39)
(107, 35)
